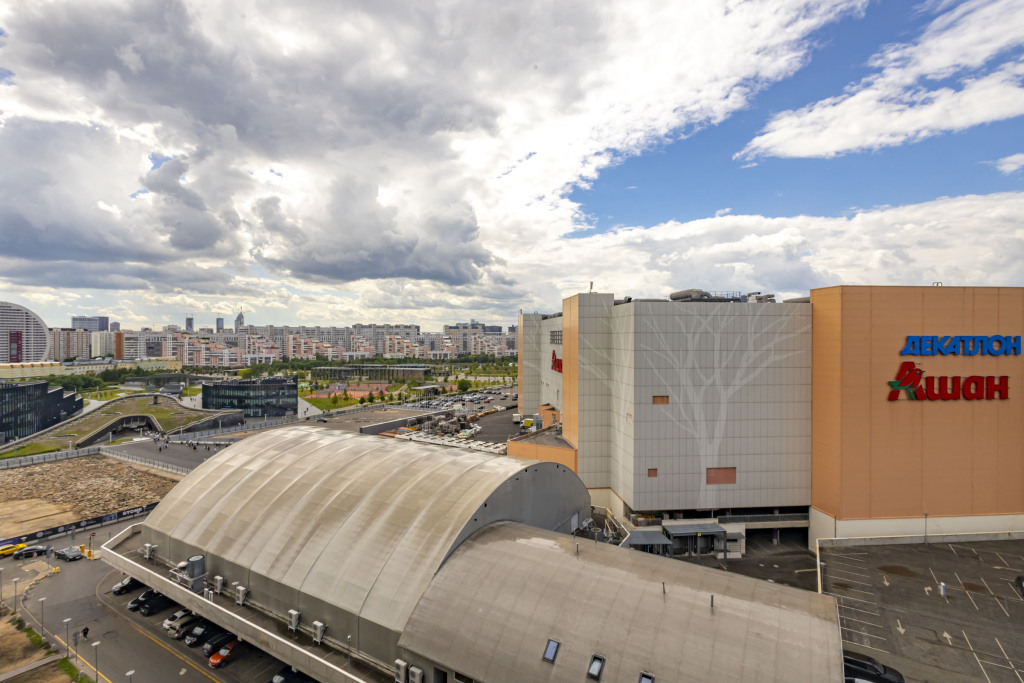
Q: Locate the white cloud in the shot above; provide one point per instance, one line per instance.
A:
(1010, 164)
(976, 45)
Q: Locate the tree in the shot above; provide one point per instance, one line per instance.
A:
(362, 400)
(464, 385)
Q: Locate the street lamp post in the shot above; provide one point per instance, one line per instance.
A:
(15, 581)
(67, 637)
(1, 590)
(42, 617)
(130, 674)
(96, 649)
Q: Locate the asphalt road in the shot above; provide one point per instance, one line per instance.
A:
(127, 641)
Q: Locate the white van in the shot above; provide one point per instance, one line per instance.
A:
(516, 418)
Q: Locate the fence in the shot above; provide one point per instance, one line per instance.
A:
(26, 460)
(169, 467)
(83, 525)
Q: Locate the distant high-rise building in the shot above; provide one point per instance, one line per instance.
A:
(24, 337)
(115, 327)
(189, 323)
(92, 323)
(220, 325)
(239, 321)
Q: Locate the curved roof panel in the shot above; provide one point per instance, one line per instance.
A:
(355, 522)
(494, 604)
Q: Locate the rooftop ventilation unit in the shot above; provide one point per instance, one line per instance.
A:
(241, 593)
(149, 551)
(218, 584)
(208, 594)
(319, 628)
(401, 671)
(415, 675)
(293, 620)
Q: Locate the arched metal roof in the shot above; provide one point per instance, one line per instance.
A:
(494, 604)
(349, 529)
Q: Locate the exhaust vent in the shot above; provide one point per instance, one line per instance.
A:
(293, 620)
(319, 628)
(241, 593)
(218, 584)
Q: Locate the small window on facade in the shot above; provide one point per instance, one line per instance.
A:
(646, 678)
(551, 651)
(721, 475)
(652, 472)
(659, 400)
(440, 676)
(555, 337)
(596, 667)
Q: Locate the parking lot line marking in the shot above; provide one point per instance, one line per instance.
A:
(834, 563)
(860, 621)
(1012, 666)
(191, 664)
(1002, 560)
(847, 597)
(874, 614)
(976, 656)
(954, 550)
(965, 590)
(857, 590)
(862, 583)
(934, 578)
(1013, 589)
(861, 633)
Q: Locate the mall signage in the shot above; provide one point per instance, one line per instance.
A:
(916, 386)
(556, 362)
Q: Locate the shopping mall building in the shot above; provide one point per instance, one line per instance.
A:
(867, 411)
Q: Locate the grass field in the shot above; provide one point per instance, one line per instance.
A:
(330, 404)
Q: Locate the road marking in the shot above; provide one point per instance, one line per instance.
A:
(954, 550)
(877, 649)
(1013, 589)
(874, 614)
(1019, 678)
(996, 598)
(847, 597)
(799, 571)
(976, 655)
(860, 621)
(832, 563)
(949, 638)
(928, 590)
(861, 633)
(863, 583)
(965, 590)
(899, 627)
(885, 580)
(934, 578)
(1002, 560)
(857, 590)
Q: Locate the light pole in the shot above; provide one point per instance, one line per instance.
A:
(130, 674)
(1, 591)
(67, 637)
(96, 649)
(42, 617)
(15, 581)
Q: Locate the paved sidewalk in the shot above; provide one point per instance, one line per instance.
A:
(14, 673)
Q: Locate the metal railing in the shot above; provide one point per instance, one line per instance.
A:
(148, 462)
(26, 460)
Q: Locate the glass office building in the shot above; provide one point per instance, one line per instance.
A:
(28, 407)
(273, 397)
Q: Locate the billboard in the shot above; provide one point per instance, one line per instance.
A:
(15, 347)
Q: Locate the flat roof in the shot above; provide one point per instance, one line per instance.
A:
(545, 437)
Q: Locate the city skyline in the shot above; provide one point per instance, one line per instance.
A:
(430, 165)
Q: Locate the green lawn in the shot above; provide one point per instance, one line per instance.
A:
(330, 404)
(31, 449)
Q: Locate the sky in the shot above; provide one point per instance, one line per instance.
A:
(329, 163)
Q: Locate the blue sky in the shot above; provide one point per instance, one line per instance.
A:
(342, 163)
(696, 176)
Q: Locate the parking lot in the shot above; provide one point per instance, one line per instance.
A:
(936, 611)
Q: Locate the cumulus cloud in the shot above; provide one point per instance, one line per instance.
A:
(965, 69)
(336, 162)
(1010, 164)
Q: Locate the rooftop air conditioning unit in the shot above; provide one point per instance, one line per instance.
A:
(208, 594)
(241, 592)
(293, 620)
(218, 584)
(415, 675)
(319, 628)
(148, 551)
(401, 671)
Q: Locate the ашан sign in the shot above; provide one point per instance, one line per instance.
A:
(911, 380)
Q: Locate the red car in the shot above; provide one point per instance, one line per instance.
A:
(229, 652)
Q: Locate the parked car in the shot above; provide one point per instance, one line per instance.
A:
(227, 653)
(11, 548)
(180, 614)
(182, 626)
(69, 554)
(155, 605)
(286, 675)
(863, 667)
(125, 585)
(217, 642)
(141, 600)
(31, 551)
(202, 632)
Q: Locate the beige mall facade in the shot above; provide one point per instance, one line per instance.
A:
(872, 410)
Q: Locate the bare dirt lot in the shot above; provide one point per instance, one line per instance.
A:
(47, 495)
